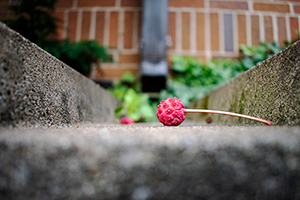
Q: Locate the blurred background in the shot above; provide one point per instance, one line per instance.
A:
(147, 50)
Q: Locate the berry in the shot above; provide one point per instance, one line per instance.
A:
(170, 112)
(127, 120)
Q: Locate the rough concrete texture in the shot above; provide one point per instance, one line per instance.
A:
(36, 89)
(150, 162)
(270, 90)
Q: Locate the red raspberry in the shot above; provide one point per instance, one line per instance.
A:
(170, 112)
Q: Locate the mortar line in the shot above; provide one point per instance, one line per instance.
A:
(261, 27)
(78, 27)
(250, 6)
(288, 28)
(65, 24)
(179, 31)
(118, 3)
(121, 30)
(235, 34)
(75, 3)
(291, 8)
(221, 33)
(299, 24)
(207, 35)
(135, 42)
(193, 33)
(275, 28)
(93, 25)
(106, 29)
(248, 29)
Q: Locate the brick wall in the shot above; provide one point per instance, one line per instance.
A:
(202, 28)
(114, 23)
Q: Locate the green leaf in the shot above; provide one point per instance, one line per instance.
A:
(119, 111)
(128, 77)
(179, 64)
(248, 63)
(147, 111)
(133, 102)
(246, 50)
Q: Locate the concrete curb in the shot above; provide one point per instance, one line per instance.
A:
(36, 89)
(270, 90)
(150, 162)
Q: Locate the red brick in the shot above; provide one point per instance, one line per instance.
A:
(99, 35)
(294, 25)
(4, 11)
(282, 8)
(64, 4)
(234, 5)
(85, 26)
(214, 32)
(169, 59)
(242, 30)
(172, 29)
(60, 17)
(72, 25)
(185, 31)
(131, 3)
(226, 56)
(198, 57)
(268, 29)
(287, 0)
(186, 3)
(200, 31)
(297, 9)
(129, 58)
(128, 29)
(282, 36)
(202, 58)
(255, 30)
(139, 25)
(92, 3)
(113, 29)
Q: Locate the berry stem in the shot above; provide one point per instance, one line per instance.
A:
(227, 113)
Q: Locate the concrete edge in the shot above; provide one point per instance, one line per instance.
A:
(270, 90)
(36, 89)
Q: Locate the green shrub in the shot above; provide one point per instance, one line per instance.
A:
(135, 104)
(192, 79)
(251, 55)
(35, 21)
(79, 55)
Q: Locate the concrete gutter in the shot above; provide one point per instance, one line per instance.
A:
(36, 89)
(270, 90)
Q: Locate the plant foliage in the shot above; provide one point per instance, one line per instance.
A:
(251, 55)
(34, 19)
(135, 105)
(192, 78)
(79, 55)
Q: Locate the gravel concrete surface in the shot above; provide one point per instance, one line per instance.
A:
(149, 161)
(270, 90)
(38, 89)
